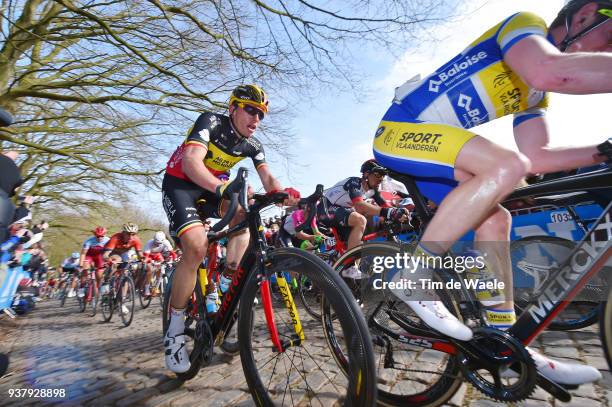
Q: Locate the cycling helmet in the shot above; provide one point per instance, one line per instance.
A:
(251, 95)
(159, 236)
(567, 13)
(99, 231)
(372, 166)
(130, 227)
(75, 255)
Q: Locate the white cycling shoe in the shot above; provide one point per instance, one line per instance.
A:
(571, 374)
(433, 313)
(177, 357)
(436, 315)
(352, 272)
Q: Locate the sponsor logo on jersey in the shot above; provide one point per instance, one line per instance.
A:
(455, 69)
(260, 156)
(380, 131)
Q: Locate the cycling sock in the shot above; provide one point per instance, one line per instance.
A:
(177, 321)
(481, 272)
(501, 319)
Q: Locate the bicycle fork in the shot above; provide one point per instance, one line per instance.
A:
(295, 339)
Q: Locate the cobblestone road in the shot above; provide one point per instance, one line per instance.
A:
(107, 364)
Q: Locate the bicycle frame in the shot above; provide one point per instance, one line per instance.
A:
(252, 263)
(559, 288)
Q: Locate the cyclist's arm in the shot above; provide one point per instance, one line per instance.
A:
(304, 236)
(544, 67)
(267, 179)
(366, 209)
(532, 139)
(83, 255)
(193, 166)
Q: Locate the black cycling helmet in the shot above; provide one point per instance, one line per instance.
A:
(372, 166)
(250, 95)
(572, 7)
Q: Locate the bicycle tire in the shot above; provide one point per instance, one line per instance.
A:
(163, 283)
(95, 296)
(196, 362)
(129, 300)
(82, 301)
(605, 328)
(361, 387)
(144, 302)
(550, 249)
(108, 300)
(310, 297)
(64, 295)
(437, 375)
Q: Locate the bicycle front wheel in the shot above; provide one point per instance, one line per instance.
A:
(303, 372)
(409, 374)
(126, 300)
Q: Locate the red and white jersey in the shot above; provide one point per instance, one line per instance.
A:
(154, 247)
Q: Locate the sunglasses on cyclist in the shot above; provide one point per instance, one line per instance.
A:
(605, 16)
(252, 110)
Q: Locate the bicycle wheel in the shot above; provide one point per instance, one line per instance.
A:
(64, 295)
(408, 374)
(83, 299)
(310, 296)
(95, 296)
(304, 373)
(605, 328)
(190, 329)
(145, 300)
(162, 284)
(108, 300)
(126, 300)
(534, 258)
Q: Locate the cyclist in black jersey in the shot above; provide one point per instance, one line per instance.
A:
(196, 178)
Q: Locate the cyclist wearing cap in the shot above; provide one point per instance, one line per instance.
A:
(346, 207)
(92, 252)
(425, 133)
(215, 144)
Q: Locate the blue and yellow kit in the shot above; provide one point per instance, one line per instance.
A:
(423, 131)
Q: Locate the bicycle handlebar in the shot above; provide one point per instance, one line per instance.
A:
(5, 118)
(237, 198)
(311, 203)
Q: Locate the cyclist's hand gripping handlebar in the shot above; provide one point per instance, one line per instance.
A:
(236, 192)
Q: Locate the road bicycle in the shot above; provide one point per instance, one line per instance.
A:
(88, 292)
(419, 366)
(282, 350)
(118, 292)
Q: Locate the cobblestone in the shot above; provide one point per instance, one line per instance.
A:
(106, 364)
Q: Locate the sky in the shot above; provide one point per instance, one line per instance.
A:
(335, 132)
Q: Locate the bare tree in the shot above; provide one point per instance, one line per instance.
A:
(103, 89)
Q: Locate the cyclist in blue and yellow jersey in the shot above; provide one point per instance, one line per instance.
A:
(198, 172)
(425, 133)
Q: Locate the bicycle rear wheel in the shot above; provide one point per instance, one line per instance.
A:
(409, 374)
(304, 373)
(126, 300)
(83, 299)
(310, 295)
(533, 259)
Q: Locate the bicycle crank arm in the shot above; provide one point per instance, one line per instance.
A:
(553, 388)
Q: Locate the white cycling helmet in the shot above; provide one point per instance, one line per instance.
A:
(75, 255)
(130, 227)
(159, 236)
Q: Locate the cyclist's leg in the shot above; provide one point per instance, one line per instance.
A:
(186, 227)
(357, 223)
(236, 246)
